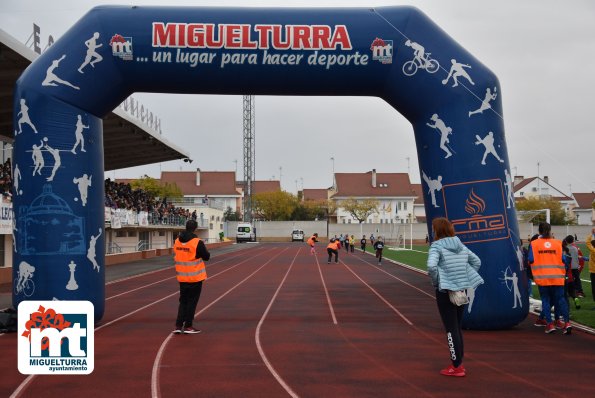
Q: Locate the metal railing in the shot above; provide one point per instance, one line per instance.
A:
(113, 248)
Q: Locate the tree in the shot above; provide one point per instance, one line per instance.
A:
(360, 209)
(274, 206)
(309, 210)
(230, 215)
(156, 188)
(557, 213)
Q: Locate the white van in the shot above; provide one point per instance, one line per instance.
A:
(245, 233)
(298, 235)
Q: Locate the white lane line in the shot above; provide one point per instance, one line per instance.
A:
(155, 373)
(328, 298)
(257, 335)
(379, 295)
(29, 378)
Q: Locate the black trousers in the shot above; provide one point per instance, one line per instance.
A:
(189, 295)
(330, 254)
(452, 319)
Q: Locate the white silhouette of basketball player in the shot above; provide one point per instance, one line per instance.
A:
(457, 70)
(24, 118)
(488, 142)
(433, 185)
(57, 161)
(471, 297)
(51, 79)
(38, 158)
(92, 56)
(508, 187)
(444, 132)
(78, 133)
(485, 104)
(84, 183)
(91, 251)
(515, 286)
(16, 178)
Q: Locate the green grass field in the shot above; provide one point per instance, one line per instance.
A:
(585, 315)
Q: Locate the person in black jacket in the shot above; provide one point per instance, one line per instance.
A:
(378, 246)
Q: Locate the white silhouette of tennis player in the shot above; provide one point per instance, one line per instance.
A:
(51, 79)
(57, 161)
(485, 104)
(79, 135)
(83, 183)
(91, 251)
(433, 186)
(457, 70)
(488, 142)
(37, 157)
(93, 56)
(24, 118)
(444, 132)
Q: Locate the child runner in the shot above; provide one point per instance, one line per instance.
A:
(378, 246)
(333, 248)
(362, 243)
(352, 243)
(313, 239)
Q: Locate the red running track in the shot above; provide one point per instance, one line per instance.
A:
(280, 322)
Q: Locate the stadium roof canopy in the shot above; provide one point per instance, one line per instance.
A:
(120, 130)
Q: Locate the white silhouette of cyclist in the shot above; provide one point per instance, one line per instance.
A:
(78, 133)
(24, 112)
(51, 79)
(38, 158)
(93, 56)
(91, 252)
(433, 186)
(418, 52)
(488, 143)
(444, 133)
(57, 160)
(83, 183)
(25, 273)
(485, 104)
(456, 70)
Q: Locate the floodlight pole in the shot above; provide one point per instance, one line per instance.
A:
(249, 154)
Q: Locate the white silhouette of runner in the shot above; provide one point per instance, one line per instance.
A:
(485, 104)
(24, 112)
(444, 132)
(38, 158)
(91, 251)
(433, 185)
(78, 133)
(508, 187)
(488, 142)
(16, 174)
(457, 70)
(84, 183)
(92, 56)
(515, 285)
(51, 79)
(57, 161)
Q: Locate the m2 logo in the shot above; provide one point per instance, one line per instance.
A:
(477, 210)
(382, 50)
(56, 337)
(121, 47)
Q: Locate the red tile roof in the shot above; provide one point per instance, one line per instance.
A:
(360, 185)
(523, 183)
(211, 182)
(265, 186)
(584, 200)
(315, 194)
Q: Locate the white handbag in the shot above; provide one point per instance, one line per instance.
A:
(458, 297)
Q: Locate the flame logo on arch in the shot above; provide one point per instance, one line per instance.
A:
(474, 204)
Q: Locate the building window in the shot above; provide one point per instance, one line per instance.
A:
(399, 204)
(349, 221)
(221, 226)
(120, 234)
(131, 233)
(404, 205)
(211, 226)
(161, 233)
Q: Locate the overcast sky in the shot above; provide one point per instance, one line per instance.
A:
(542, 51)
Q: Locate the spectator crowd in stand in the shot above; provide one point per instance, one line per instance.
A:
(6, 179)
(120, 195)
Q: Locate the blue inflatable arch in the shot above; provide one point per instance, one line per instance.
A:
(395, 53)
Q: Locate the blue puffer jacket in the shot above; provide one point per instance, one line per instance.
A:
(452, 266)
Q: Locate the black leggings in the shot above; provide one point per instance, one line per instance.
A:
(452, 319)
(330, 254)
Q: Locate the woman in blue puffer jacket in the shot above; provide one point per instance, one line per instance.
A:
(452, 266)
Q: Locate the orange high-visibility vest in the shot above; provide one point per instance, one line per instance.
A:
(547, 267)
(311, 240)
(334, 245)
(188, 267)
